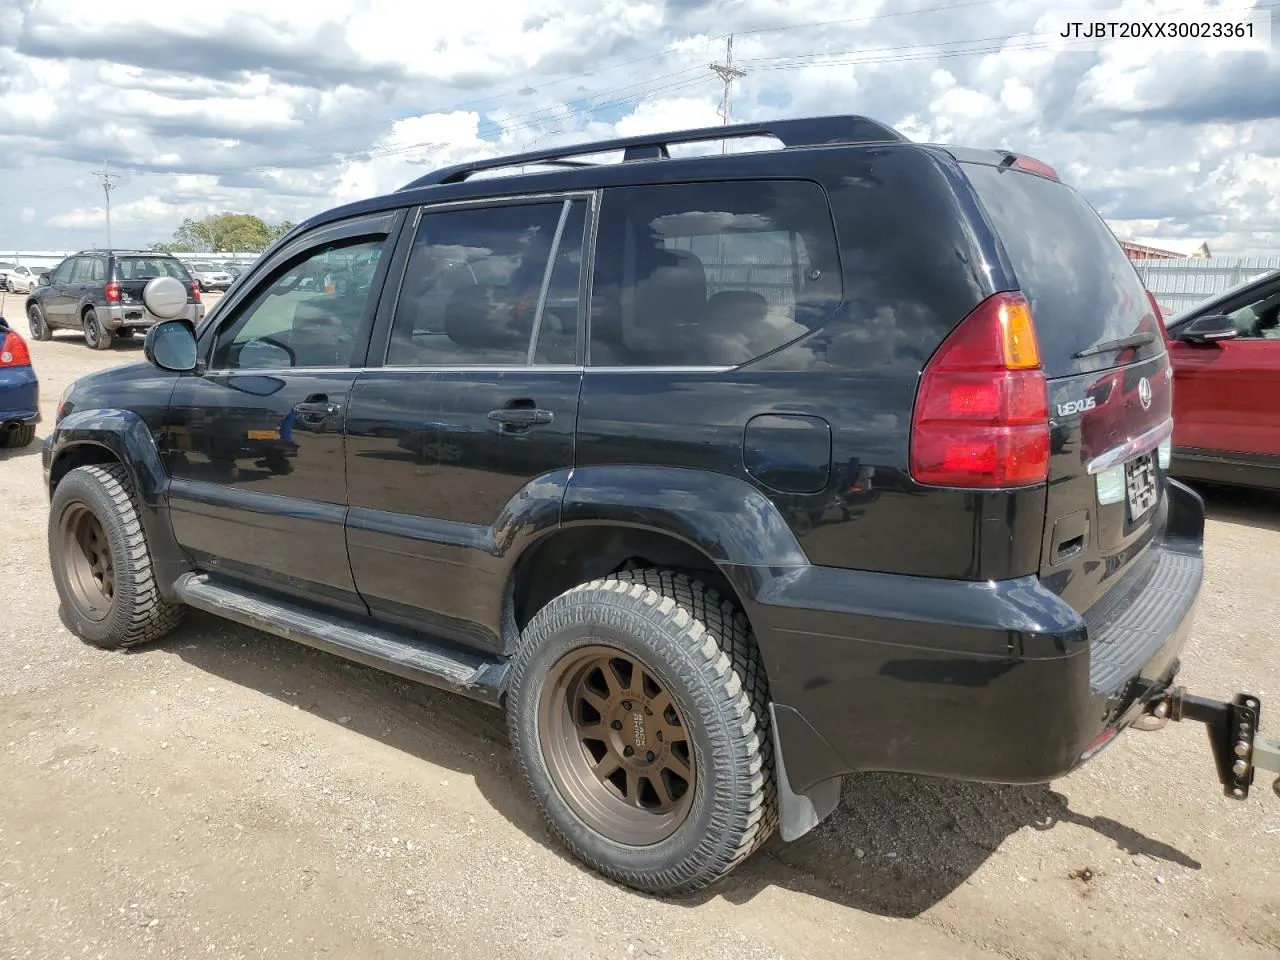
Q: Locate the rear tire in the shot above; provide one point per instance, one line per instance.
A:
(36, 323)
(101, 561)
(19, 436)
(95, 334)
(698, 665)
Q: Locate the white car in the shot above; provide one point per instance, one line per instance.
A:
(210, 276)
(22, 279)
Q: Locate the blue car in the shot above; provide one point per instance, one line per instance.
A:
(19, 390)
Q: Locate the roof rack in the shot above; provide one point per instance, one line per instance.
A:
(806, 132)
(106, 250)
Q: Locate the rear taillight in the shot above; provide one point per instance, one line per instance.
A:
(981, 417)
(113, 292)
(1155, 308)
(13, 351)
(195, 292)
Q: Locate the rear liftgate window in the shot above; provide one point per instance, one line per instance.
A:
(1082, 288)
(710, 274)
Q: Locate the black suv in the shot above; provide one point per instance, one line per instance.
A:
(727, 475)
(100, 293)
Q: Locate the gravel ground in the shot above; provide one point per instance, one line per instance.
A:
(228, 794)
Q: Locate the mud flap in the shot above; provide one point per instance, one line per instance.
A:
(798, 813)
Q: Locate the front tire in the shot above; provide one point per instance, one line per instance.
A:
(101, 561)
(96, 335)
(638, 715)
(37, 325)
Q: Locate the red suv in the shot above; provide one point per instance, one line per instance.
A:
(1226, 365)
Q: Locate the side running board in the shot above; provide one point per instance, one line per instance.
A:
(468, 674)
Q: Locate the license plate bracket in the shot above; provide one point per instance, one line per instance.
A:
(1141, 488)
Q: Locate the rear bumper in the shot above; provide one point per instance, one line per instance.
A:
(19, 396)
(992, 681)
(117, 316)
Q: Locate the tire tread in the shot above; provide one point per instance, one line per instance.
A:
(20, 436)
(717, 632)
(150, 616)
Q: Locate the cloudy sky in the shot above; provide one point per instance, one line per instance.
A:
(284, 107)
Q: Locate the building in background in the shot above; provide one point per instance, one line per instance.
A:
(1149, 248)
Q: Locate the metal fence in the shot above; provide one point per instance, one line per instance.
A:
(1180, 284)
(51, 258)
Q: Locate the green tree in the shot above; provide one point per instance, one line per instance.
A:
(280, 229)
(224, 233)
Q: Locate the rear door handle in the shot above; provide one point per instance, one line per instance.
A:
(521, 416)
(316, 408)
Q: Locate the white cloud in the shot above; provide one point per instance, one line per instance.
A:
(28, 214)
(286, 108)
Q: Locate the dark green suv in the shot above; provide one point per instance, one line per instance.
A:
(99, 292)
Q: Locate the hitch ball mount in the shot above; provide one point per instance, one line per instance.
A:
(1238, 748)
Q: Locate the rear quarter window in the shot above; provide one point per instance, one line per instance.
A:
(1083, 290)
(710, 274)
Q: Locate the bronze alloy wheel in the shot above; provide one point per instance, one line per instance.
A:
(616, 746)
(87, 563)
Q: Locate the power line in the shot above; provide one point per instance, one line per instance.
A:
(536, 117)
(879, 16)
(727, 73)
(357, 156)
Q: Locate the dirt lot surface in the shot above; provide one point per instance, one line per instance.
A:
(228, 794)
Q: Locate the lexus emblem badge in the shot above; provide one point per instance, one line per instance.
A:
(1144, 393)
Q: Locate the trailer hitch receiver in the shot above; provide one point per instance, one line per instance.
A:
(1239, 750)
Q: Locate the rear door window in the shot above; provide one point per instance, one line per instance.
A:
(710, 274)
(82, 270)
(1084, 292)
(475, 281)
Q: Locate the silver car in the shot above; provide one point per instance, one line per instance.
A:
(22, 279)
(211, 276)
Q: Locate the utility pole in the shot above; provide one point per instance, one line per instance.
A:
(727, 73)
(107, 178)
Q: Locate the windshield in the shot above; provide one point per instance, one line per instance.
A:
(144, 268)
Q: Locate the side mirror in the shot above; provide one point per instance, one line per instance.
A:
(171, 345)
(1209, 329)
(43, 281)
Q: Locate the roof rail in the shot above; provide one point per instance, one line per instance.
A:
(805, 132)
(102, 250)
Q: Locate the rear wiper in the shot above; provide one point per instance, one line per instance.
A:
(1137, 340)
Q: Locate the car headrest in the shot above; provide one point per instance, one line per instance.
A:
(669, 300)
(480, 317)
(737, 306)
